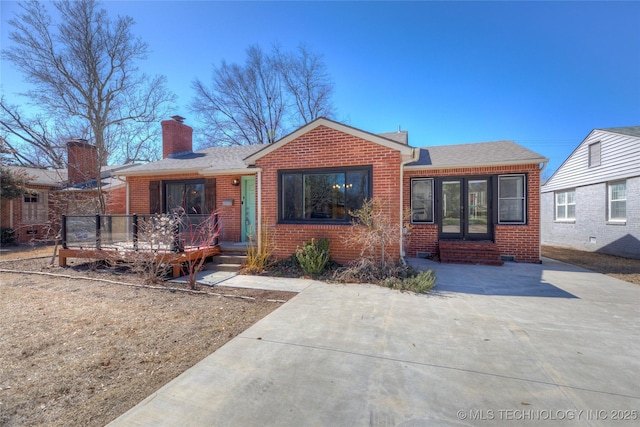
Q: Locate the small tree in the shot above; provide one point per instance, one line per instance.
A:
(197, 236)
(374, 232)
(150, 259)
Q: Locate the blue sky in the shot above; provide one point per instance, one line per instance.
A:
(543, 74)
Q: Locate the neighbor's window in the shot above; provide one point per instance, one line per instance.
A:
(511, 199)
(34, 207)
(566, 205)
(187, 195)
(323, 195)
(618, 201)
(594, 154)
(422, 200)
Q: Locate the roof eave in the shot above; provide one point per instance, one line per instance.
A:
(237, 171)
(535, 161)
(160, 172)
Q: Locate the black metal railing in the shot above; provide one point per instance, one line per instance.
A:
(139, 232)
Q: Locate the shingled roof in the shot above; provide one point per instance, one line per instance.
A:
(477, 154)
(625, 130)
(206, 161)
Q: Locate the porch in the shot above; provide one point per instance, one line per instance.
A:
(173, 239)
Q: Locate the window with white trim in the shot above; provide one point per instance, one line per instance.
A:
(512, 200)
(566, 205)
(617, 201)
(34, 207)
(422, 200)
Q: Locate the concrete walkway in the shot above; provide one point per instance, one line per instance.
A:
(521, 344)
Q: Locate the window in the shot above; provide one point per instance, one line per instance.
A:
(34, 207)
(618, 201)
(187, 195)
(511, 199)
(322, 195)
(594, 154)
(422, 200)
(566, 205)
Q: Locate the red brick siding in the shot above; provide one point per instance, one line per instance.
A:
(176, 138)
(326, 148)
(82, 160)
(521, 241)
(116, 200)
(41, 230)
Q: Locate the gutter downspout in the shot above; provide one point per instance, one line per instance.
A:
(414, 157)
(544, 165)
(259, 220)
(127, 194)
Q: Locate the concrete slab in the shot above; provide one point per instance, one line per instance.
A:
(234, 280)
(520, 344)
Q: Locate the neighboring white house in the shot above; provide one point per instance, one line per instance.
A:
(592, 202)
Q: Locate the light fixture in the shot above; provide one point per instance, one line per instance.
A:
(235, 182)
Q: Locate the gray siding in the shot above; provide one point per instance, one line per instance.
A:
(590, 231)
(620, 158)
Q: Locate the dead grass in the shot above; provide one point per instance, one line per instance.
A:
(621, 268)
(79, 352)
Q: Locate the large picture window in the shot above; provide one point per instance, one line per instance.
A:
(618, 201)
(422, 200)
(322, 195)
(566, 205)
(512, 202)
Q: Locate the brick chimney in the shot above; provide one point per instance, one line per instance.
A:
(177, 138)
(82, 160)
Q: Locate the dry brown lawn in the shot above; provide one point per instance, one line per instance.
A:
(621, 268)
(80, 352)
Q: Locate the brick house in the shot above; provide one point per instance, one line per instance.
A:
(592, 202)
(484, 197)
(51, 192)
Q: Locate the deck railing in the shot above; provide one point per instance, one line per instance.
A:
(139, 232)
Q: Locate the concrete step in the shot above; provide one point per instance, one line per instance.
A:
(229, 258)
(469, 252)
(222, 267)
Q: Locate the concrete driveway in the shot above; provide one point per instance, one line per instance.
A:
(520, 344)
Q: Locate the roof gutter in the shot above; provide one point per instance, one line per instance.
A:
(493, 164)
(238, 171)
(161, 172)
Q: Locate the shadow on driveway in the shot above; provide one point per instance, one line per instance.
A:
(512, 279)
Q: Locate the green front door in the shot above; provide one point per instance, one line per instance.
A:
(248, 218)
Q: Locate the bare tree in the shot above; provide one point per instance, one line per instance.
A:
(83, 72)
(307, 83)
(261, 101)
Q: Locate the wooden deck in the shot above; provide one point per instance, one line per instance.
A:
(176, 259)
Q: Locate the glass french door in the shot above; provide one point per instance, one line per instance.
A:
(465, 212)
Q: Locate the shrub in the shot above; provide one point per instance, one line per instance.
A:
(313, 256)
(259, 257)
(395, 276)
(419, 283)
(7, 236)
